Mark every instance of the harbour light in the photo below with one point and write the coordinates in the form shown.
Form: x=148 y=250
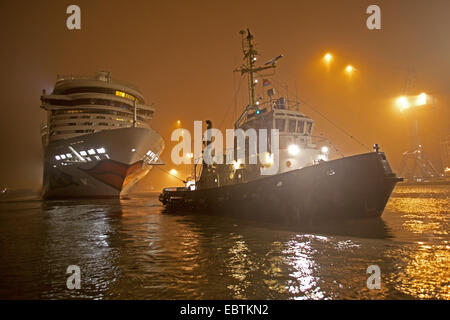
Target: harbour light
x=269 y=159
x=403 y=103
x=422 y=99
x=293 y=149
x=349 y=69
x=236 y=164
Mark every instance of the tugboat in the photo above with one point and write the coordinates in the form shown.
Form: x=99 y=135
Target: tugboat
x=306 y=185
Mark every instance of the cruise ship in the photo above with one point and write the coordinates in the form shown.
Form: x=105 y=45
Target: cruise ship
x=97 y=140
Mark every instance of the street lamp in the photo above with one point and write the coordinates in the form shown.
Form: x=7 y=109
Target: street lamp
x=415 y=159
x=328 y=57
x=422 y=99
x=403 y=103
x=349 y=69
x=406 y=102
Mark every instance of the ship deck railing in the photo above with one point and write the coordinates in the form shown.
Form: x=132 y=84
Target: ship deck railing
x=106 y=78
x=278 y=104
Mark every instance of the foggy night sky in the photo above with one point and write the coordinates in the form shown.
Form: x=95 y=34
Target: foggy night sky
x=181 y=55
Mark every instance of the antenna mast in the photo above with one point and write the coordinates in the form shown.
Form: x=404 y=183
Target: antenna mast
x=249 y=67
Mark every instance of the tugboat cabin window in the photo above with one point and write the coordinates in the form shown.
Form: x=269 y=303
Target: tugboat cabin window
x=280 y=124
x=309 y=127
x=292 y=125
x=301 y=127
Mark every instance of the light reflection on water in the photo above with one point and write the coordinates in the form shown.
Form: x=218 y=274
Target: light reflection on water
x=424 y=270
x=130 y=249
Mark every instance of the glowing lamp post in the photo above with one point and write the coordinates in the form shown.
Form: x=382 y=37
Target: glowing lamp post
x=406 y=102
x=349 y=69
x=416 y=158
x=327 y=58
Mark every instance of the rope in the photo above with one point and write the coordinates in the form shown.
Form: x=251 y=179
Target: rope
x=170 y=174
x=158 y=166
x=236 y=92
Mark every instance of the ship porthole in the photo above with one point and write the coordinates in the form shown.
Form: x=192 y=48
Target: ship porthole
x=279 y=184
x=288 y=164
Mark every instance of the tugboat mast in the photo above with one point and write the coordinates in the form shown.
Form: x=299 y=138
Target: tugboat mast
x=249 y=67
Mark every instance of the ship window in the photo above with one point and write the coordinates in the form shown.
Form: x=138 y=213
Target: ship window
x=146 y=113
x=97 y=90
x=101 y=117
x=280 y=124
x=103 y=124
x=309 y=128
x=87 y=124
x=97 y=157
x=125 y=95
x=292 y=124
x=301 y=127
x=94 y=111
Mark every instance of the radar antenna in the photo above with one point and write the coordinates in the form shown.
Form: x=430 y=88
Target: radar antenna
x=249 y=67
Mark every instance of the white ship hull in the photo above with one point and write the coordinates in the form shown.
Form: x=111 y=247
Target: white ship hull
x=123 y=161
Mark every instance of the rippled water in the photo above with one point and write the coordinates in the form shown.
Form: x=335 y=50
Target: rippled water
x=130 y=249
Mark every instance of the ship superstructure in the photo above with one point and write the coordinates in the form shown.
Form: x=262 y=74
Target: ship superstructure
x=268 y=110
x=97 y=140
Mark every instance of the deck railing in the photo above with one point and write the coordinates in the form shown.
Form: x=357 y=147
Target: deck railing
x=103 y=76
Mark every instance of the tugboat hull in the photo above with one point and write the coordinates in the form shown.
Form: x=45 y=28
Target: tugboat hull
x=352 y=187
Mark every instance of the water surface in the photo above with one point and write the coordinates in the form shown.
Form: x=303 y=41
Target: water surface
x=131 y=249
